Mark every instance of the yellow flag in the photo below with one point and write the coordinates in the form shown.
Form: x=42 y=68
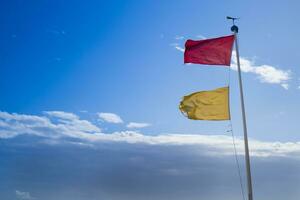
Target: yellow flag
x=207 y=105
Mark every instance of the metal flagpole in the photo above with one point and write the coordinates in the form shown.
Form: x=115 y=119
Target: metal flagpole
x=235 y=29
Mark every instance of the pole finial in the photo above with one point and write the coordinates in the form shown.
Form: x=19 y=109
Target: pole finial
x=234 y=28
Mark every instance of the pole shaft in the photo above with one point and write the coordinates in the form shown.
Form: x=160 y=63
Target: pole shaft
x=247 y=157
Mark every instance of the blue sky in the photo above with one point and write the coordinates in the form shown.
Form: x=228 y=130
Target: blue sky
x=106 y=77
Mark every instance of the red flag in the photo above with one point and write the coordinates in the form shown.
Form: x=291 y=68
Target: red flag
x=215 y=51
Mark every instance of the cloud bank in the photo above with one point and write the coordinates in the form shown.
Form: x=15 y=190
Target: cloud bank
x=137 y=172
x=61 y=126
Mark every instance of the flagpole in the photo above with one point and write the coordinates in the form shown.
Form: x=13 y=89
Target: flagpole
x=234 y=29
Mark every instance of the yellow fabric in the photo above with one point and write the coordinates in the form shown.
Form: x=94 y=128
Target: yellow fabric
x=207 y=105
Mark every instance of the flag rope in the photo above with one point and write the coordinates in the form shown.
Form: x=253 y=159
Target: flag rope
x=237 y=160
x=234 y=144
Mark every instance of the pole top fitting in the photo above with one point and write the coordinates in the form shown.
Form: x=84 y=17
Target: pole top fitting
x=234 y=28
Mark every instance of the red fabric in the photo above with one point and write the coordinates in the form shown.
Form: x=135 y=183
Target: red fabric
x=215 y=51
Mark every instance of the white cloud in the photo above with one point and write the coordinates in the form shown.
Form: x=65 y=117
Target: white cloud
x=64 y=125
x=71 y=122
x=110 y=117
x=179 y=48
x=23 y=195
x=62 y=115
x=214 y=144
x=12 y=125
x=285 y=86
x=265 y=73
x=137 y=125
